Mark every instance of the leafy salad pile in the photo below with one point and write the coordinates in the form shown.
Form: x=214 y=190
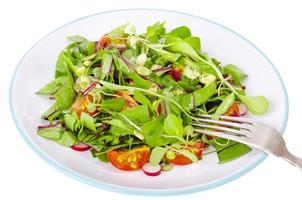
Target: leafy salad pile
x=129 y=98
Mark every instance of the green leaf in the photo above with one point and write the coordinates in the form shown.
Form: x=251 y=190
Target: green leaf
x=115 y=104
x=53 y=133
x=60 y=65
x=70 y=121
x=203 y=94
x=172 y=57
x=120 y=125
x=157 y=155
x=181 y=32
x=184 y=48
x=202 y=67
x=153 y=131
x=236 y=74
x=142 y=99
x=138 y=114
x=52 y=86
x=76 y=39
x=173 y=126
x=189 y=155
x=139 y=81
x=194 y=42
x=88 y=121
x=155 y=31
x=228 y=150
x=53 y=112
x=255 y=104
x=106 y=65
x=67 y=139
x=226 y=104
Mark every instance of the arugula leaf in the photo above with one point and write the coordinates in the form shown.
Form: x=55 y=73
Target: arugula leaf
x=67 y=139
x=183 y=48
x=181 y=32
x=52 y=133
x=139 y=81
x=255 y=104
x=236 y=74
x=119 y=127
x=225 y=105
x=153 y=131
x=88 y=121
x=157 y=155
x=52 y=86
x=173 y=126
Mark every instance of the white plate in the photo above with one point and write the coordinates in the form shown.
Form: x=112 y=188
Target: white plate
x=37 y=67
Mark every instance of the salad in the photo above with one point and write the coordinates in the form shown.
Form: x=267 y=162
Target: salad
x=129 y=99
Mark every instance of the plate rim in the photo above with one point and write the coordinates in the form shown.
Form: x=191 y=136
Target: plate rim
x=131 y=190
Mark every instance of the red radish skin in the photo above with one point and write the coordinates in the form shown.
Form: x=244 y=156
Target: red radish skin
x=80 y=147
x=151 y=170
x=175 y=74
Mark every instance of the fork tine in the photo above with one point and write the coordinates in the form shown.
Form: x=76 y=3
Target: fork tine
x=230 y=130
x=225 y=136
x=225 y=123
x=234 y=119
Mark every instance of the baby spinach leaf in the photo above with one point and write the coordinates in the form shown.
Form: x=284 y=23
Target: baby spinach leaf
x=139 y=97
x=53 y=133
x=88 y=121
x=157 y=155
x=255 y=104
x=225 y=105
x=106 y=65
x=181 y=32
x=138 y=114
x=70 y=121
x=236 y=74
x=67 y=139
x=52 y=86
x=184 y=48
x=194 y=42
x=203 y=94
x=116 y=104
x=173 y=126
x=153 y=131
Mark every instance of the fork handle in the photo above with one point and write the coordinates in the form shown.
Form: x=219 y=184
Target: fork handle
x=294 y=160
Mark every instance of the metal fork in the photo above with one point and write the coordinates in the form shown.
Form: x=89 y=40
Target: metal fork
x=246 y=131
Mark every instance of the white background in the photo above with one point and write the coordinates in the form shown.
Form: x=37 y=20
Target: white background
x=274 y=26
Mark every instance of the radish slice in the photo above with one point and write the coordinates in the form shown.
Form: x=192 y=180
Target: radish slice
x=80 y=147
x=151 y=170
x=242 y=109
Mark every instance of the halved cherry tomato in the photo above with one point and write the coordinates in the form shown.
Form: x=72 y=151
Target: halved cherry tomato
x=103 y=42
x=80 y=105
x=175 y=74
x=182 y=160
x=130 y=102
x=233 y=110
x=129 y=160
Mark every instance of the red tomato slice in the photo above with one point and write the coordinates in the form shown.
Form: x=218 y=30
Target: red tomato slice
x=129 y=160
x=130 y=102
x=233 y=110
x=80 y=105
x=182 y=160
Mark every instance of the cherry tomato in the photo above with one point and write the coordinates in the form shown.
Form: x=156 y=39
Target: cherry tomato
x=129 y=160
x=182 y=160
x=130 y=102
x=103 y=42
x=233 y=110
x=80 y=105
